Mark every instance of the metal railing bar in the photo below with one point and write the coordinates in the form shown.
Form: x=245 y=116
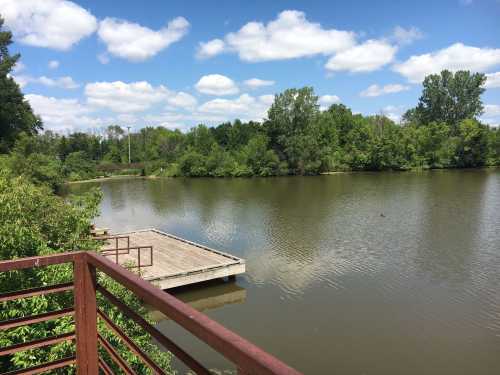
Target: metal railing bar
x=105 y=367
x=17 y=322
x=39 y=261
x=131 y=345
x=37 y=343
x=177 y=351
x=42 y=290
x=44 y=367
x=115 y=356
x=235 y=348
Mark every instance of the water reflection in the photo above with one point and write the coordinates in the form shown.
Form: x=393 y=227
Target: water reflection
x=206 y=296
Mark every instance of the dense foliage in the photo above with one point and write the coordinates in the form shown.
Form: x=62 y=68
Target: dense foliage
x=34 y=221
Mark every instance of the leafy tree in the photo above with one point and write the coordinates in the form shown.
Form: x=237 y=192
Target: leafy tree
x=16 y=115
x=290 y=129
x=78 y=166
x=449 y=97
x=472 y=148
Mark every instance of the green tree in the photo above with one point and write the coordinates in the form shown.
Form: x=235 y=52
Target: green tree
x=16 y=115
x=291 y=131
x=472 y=148
x=449 y=97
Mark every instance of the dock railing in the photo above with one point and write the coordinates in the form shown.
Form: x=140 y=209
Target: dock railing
x=118 y=250
x=247 y=358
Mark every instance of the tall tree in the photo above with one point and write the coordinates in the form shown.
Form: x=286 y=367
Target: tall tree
x=449 y=97
x=16 y=115
x=291 y=129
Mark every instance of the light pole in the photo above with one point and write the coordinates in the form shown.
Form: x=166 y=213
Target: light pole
x=128 y=128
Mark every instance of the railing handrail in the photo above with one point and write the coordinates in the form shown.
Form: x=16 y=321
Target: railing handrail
x=248 y=358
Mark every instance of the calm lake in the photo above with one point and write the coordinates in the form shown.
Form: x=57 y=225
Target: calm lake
x=363 y=273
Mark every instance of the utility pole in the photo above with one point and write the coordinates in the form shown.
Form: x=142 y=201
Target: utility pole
x=128 y=128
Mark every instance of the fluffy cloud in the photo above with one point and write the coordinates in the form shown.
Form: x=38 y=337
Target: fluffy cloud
x=289 y=36
x=455 y=57
x=492 y=80
x=245 y=107
x=53 y=64
x=327 y=100
x=366 y=57
x=61 y=82
x=21 y=80
x=210 y=48
x=124 y=97
x=182 y=100
x=54 y=24
x=404 y=36
x=376 y=90
x=62 y=114
x=134 y=42
x=216 y=84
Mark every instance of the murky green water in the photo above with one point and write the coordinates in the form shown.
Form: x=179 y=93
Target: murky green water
x=366 y=273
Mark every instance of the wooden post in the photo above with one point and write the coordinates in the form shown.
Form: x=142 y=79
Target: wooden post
x=84 y=278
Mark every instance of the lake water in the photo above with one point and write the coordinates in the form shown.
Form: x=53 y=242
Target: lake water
x=363 y=273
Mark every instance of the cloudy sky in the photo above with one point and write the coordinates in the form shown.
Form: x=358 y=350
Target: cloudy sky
x=88 y=64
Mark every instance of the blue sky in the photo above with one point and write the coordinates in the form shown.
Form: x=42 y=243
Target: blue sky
x=88 y=64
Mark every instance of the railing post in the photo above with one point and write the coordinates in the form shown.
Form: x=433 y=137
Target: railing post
x=84 y=278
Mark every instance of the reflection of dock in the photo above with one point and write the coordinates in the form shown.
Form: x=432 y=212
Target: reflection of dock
x=175 y=261
x=212 y=295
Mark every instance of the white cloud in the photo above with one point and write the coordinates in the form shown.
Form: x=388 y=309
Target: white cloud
x=376 y=90
x=245 y=107
x=492 y=80
x=255 y=83
x=455 y=57
x=404 y=36
x=62 y=114
x=210 y=48
x=182 y=100
x=366 y=57
x=289 y=36
x=134 y=42
x=216 y=84
x=53 y=64
x=22 y=80
x=327 y=100
x=62 y=82
x=124 y=97
x=57 y=24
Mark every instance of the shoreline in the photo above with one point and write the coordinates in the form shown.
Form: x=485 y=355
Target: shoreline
x=153 y=177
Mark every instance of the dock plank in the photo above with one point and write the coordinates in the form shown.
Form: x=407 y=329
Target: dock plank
x=176 y=261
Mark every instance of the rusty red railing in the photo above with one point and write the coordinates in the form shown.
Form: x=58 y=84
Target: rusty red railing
x=117 y=250
x=248 y=358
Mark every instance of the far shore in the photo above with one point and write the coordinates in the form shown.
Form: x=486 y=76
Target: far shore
x=152 y=177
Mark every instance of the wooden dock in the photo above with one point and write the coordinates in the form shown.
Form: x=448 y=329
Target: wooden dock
x=175 y=261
